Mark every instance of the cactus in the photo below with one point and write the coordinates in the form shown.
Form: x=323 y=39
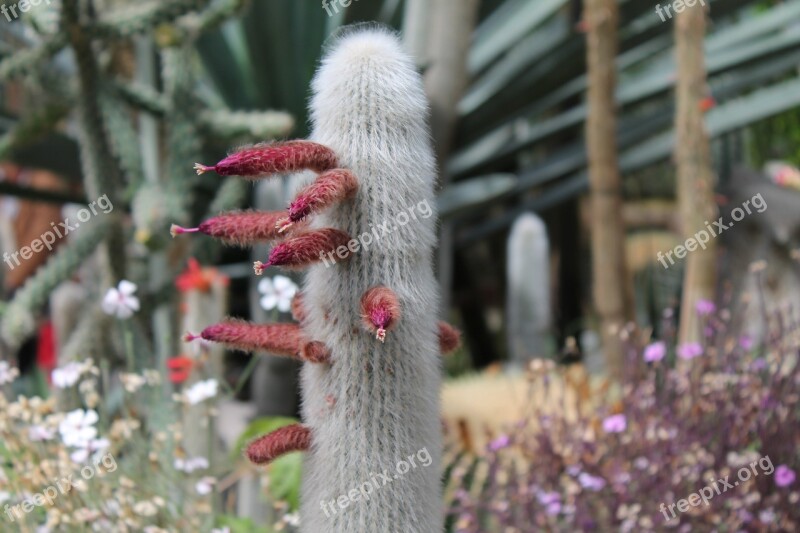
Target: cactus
x=18 y=319
x=528 y=305
x=367 y=334
x=114 y=155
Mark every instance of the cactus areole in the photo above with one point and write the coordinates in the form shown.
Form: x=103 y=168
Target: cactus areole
x=367 y=330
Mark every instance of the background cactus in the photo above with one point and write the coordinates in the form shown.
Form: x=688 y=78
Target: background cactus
x=120 y=116
x=368 y=333
x=528 y=300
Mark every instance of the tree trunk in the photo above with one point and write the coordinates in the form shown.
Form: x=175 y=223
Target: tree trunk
x=611 y=291
x=695 y=178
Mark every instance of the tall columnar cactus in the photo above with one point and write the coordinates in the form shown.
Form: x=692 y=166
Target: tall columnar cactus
x=367 y=331
x=528 y=303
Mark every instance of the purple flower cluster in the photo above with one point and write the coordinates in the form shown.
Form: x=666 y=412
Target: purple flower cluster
x=682 y=417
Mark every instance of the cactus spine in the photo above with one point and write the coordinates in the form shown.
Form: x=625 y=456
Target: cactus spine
x=371 y=382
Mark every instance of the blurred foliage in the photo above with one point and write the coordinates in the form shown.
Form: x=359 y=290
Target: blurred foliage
x=108 y=102
x=776 y=138
x=587 y=457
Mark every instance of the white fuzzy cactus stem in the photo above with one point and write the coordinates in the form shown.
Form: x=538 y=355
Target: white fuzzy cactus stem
x=377 y=403
x=528 y=303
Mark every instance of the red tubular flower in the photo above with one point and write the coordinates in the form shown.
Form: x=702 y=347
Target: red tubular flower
x=292 y=438
x=330 y=187
x=241 y=228
x=290 y=156
x=305 y=249
x=280 y=339
x=449 y=338
x=380 y=311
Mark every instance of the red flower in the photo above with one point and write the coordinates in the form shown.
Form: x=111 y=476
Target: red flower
x=179 y=368
x=196 y=277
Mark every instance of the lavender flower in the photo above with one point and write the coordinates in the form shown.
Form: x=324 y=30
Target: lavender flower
x=503 y=441
x=615 y=424
x=746 y=342
x=690 y=350
x=655 y=352
x=705 y=307
x=784 y=476
x=591 y=482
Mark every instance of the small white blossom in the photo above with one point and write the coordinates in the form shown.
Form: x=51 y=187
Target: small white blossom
x=293 y=519
x=121 y=302
x=191 y=464
x=200 y=391
x=7 y=373
x=132 y=382
x=205 y=485
x=277 y=292
x=152 y=377
x=224 y=529
x=67 y=375
x=94 y=448
x=39 y=433
x=145 y=508
x=77 y=429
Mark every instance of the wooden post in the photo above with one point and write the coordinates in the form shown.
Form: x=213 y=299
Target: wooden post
x=695 y=178
x=610 y=284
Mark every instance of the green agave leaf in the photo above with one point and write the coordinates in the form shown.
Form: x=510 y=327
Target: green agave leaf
x=242 y=525
x=284 y=480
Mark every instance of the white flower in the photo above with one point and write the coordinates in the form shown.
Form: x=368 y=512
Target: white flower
x=205 y=485
x=121 y=301
x=191 y=464
x=7 y=373
x=277 y=292
x=94 y=448
x=67 y=375
x=145 y=508
x=132 y=382
x=4 y=496
x=77 y=429
x=39 y=433
x=225 y=529
x=200 y=391
x=293 y=519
